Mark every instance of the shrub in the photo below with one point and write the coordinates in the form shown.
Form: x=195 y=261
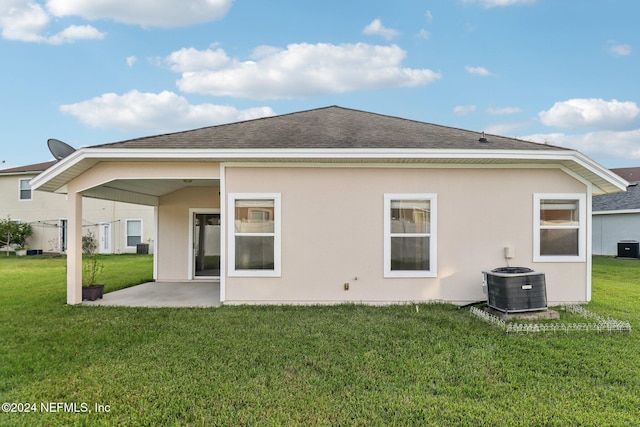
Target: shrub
x=14 y=233
x=91 y=267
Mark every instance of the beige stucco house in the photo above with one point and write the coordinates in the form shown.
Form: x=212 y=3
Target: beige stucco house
x=119 y=227
x=335 y=205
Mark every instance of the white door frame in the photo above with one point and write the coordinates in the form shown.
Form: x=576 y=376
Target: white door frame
x=62 y=234
x=191 y=273
x=104 y=238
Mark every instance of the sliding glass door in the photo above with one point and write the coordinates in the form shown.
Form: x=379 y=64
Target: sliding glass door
x=206 y=244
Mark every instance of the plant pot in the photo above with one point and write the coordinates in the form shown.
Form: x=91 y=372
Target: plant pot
x=92 y=292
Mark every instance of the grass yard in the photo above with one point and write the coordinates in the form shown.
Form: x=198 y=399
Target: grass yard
x=340 y=365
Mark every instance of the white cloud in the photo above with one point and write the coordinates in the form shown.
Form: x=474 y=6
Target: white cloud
x=192 y=60
x=598 y=113
x=131 y=60
x=22 y=20
x=26 y=20
x=264 y=51
x=478 y=71
x=504 y=110
x=618 y=49
x=300 y=70
x=76 y=32
x=146 y=13
x=375 y=28
x=423 y=34
x=463 y=110
x=500 y=3
x=605 y=144
x=155 y=112
x=429 y=17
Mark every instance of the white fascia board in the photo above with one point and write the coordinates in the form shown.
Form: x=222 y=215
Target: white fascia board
x=57 y=168
x=618 y=212
x=601 y=171
x=2 y=174
x=306 y=153
x=138 y=154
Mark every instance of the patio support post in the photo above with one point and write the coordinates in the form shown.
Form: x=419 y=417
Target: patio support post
x=74 y=248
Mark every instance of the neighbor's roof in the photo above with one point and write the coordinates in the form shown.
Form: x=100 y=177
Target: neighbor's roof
x=630 y=174
x=627 y=200
x=329 y=127
x=35 y=168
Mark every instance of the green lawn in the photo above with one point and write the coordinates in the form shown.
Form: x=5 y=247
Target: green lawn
x=341 y=365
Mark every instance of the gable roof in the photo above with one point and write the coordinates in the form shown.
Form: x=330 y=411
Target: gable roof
x=34 y=168
x=330 y=127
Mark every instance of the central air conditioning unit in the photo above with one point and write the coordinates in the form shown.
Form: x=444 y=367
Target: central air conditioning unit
x=515 y=289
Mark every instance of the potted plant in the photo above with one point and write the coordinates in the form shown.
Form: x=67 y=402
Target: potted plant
x=14 y=234
x=91 y=268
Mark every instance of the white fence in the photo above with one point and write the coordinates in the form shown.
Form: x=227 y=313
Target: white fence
x=599 y=323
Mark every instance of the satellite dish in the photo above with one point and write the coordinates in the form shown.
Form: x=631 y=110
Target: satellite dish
x=59 y=149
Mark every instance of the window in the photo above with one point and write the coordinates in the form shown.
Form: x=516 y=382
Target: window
x=25 y=189
x=254 y=247
x=133 y=232
x=409 y=235
x=559 y=227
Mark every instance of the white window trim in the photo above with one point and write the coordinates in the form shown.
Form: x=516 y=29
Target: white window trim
x=433 y=234
x=232 y=271
x=28 y=180
x=126 y=234
x=582 y=227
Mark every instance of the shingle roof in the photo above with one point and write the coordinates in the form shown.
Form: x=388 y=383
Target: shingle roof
x=329 y=127
x=618 y=201
x=621 y=201
x=37 y=167
x=630 y=174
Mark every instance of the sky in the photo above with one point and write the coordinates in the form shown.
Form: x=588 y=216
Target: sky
x=564 y=72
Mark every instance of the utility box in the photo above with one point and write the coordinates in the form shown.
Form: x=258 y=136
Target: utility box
x=515 y=289
x=628 y=249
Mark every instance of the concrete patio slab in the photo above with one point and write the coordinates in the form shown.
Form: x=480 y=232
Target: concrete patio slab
x=164 y=294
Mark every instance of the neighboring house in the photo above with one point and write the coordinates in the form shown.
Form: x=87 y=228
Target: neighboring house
x=118 y=226
x=335 y=205
x=616 y=217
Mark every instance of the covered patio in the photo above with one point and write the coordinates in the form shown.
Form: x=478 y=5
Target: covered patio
x=182 y=193
x=164 y=294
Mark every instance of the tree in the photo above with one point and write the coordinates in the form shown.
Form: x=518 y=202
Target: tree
x=14 y=233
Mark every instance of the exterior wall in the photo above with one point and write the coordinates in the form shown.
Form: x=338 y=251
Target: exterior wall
x=609 y=229
x=332 y=232
x=45 y=210
x=174 y=254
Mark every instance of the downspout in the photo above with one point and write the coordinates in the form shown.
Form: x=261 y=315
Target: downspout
x=589 y=237
x=223 y=233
